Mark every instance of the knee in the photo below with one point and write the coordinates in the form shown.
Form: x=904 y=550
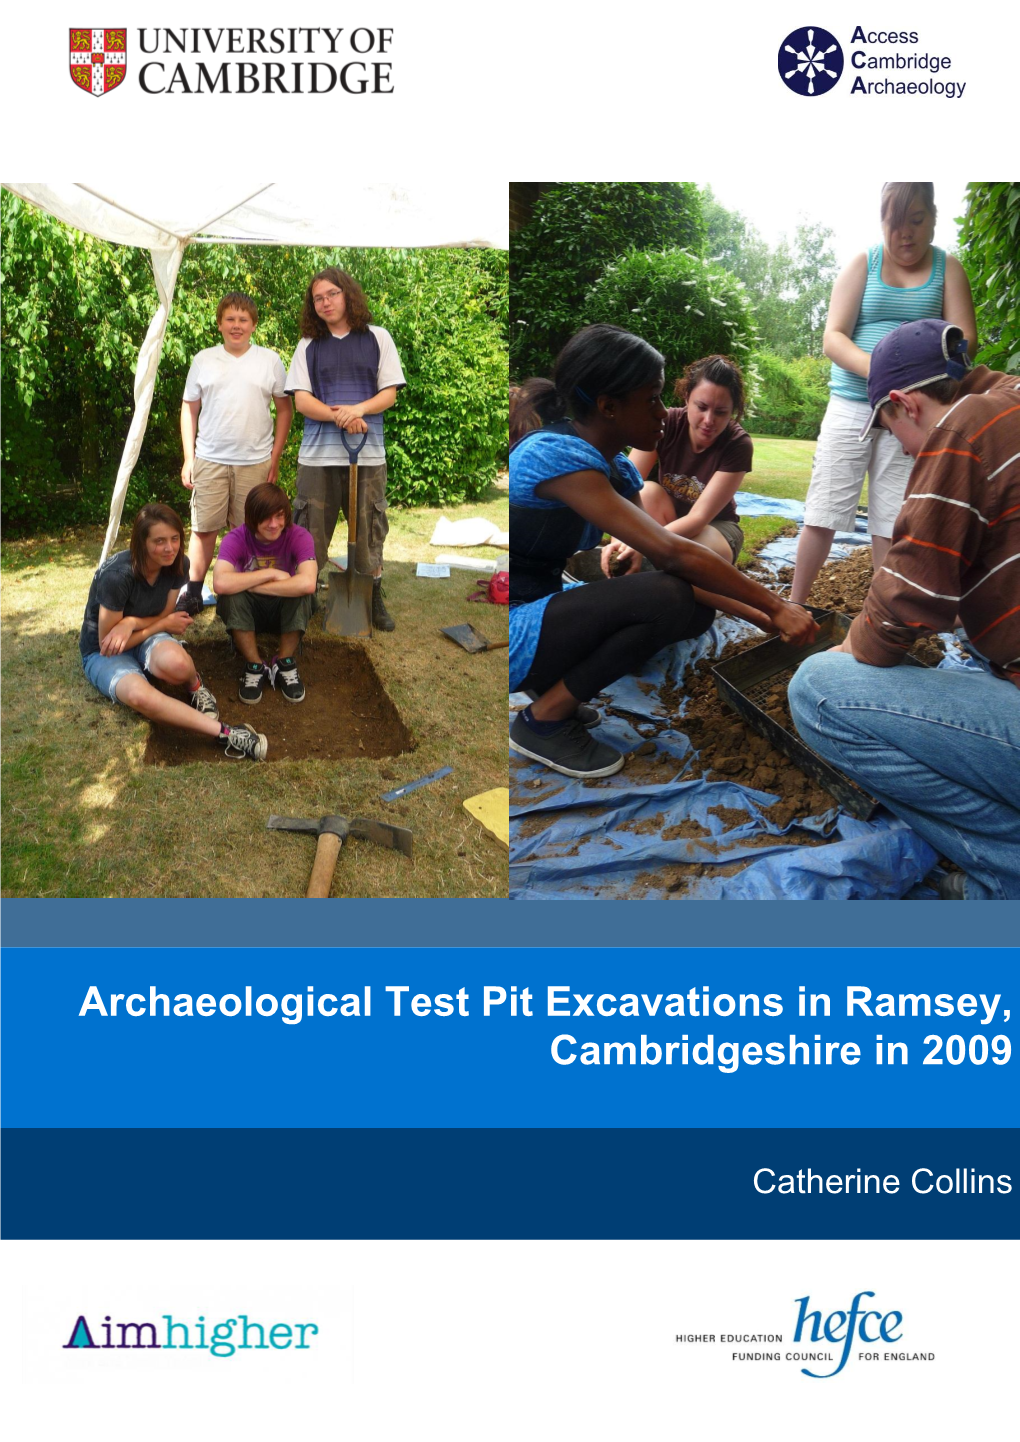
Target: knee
x=817 y=680
x=135 y=693
x=171 y=663
x=673 y=604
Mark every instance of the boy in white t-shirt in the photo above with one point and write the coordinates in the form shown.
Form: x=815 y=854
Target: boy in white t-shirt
x=226 y=400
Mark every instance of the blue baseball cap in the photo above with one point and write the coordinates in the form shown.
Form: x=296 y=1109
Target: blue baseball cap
x=911 y=356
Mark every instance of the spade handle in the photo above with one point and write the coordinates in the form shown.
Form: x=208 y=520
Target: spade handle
x=327 y=850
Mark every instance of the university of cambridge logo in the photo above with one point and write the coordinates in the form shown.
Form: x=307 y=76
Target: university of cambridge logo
x=98 y=59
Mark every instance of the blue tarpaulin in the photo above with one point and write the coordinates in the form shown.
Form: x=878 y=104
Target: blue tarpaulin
x=618 y=836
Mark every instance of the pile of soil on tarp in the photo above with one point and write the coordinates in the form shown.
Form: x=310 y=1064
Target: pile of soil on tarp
x=730 y=750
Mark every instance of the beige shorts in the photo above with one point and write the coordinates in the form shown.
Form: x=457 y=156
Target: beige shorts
x=219 y=493
x=841 y=461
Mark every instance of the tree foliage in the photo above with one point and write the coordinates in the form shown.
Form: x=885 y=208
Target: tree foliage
x=574 y=232
x=990 y=254
x=76 y=310
x=685 y=306
x=790 y=397
x=789 y=284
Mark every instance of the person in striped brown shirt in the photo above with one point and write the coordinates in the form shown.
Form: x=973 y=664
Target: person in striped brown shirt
x=941 y=748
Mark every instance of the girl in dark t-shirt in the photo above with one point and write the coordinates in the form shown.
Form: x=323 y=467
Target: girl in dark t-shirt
x=703 y=457
x=135 y=618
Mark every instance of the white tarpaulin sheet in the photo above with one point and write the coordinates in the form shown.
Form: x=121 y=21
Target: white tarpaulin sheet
x=155 y=214
x=164 y=217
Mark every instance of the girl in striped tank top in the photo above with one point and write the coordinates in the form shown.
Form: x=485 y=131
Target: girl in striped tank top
x=906 y=278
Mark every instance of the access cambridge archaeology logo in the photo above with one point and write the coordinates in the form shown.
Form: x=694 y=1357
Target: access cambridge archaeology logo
x=217 y=1339
x=98 y=59
x=821 y=1341
x=884 y=62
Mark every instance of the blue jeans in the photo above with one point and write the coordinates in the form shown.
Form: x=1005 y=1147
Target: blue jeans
x=941 y=749
x=106 y=672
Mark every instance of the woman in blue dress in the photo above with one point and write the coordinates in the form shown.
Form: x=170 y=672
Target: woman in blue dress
x=568 y=479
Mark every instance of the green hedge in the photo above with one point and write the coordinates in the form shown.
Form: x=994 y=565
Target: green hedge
x=574 y=231
x=790 y=397
x=685 y=306
x=76 y=310
x=990 y=254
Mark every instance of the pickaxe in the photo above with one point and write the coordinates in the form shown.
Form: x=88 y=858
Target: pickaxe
x=332 y=832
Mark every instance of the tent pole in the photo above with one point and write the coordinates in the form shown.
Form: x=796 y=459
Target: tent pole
x=165 y=266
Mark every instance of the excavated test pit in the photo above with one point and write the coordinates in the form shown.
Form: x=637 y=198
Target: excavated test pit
x=346 y=713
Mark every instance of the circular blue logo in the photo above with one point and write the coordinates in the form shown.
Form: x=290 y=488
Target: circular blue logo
x=810 y=60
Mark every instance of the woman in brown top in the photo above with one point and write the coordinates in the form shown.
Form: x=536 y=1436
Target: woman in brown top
x=703 y=458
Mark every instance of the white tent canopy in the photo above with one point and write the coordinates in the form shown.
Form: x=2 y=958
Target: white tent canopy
x=164 y=217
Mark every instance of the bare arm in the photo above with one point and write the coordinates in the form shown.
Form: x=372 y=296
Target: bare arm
x=645 y=461
x=306 y=404
x=227 y=581
x=591 y=496
x=189 y=430
x=844 y=308
x=381 y=401
x=958 y=303
x=119 y=633
x=302 y=583
x=284 y=416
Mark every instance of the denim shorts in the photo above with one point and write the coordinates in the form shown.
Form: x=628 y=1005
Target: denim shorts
x=106 y=672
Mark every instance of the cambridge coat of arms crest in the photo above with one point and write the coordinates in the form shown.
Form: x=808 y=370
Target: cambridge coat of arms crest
x=98 y=59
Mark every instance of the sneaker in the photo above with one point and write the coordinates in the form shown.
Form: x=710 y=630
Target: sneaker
x=572 y=750
x=204 y=702
x=253 y=683
x=587 y=715
x=381 y=618
x=283 y=677
x=245 y=741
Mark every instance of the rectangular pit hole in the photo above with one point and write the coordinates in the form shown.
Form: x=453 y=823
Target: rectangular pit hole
x=346 y=713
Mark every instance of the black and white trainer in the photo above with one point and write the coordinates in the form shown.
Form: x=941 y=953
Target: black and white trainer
x=204 y=702
x=283 y=677
x=572 y=750
x=253 y=683
x=244 y=741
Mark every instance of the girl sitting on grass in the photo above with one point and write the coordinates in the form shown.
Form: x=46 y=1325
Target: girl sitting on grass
x=132 y=633
x=566 y=646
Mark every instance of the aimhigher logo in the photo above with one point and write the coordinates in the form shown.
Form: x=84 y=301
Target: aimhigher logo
x=221 y=1339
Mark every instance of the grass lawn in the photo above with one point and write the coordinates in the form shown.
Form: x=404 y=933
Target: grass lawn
x=84 y=816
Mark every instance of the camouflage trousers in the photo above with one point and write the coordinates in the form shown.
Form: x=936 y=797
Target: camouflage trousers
x=322 y=496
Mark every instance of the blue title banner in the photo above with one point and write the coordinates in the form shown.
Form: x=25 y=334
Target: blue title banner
x=388 y=1038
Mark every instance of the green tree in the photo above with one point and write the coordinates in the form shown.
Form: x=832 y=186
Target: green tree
x=990 y=254
x=685 y=306
x=789 y=284
x=575 y=230
x=76 y=310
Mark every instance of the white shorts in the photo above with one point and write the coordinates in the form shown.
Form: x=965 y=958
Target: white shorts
x=841 y=461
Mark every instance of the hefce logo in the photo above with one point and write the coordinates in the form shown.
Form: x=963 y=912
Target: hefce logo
x=218 y=1341
x=845 y=1327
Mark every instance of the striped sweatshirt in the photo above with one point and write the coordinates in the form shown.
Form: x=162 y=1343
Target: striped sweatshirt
x=956 y=542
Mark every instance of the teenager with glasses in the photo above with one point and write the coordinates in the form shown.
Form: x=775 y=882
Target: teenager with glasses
x=344 y=375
